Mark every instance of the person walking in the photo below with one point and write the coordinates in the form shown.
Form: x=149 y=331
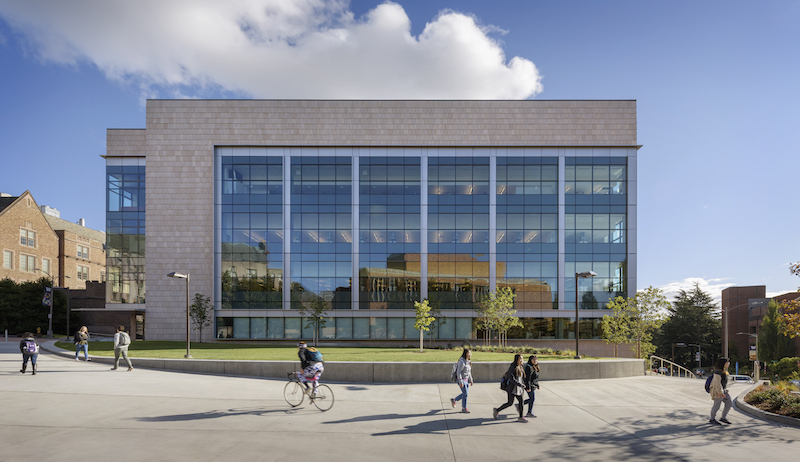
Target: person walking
x=719 y=391
x=464 y=379
x=30 y=350
x=121 y=342
x=515 y=376
x=82 y=343
x=531 y=382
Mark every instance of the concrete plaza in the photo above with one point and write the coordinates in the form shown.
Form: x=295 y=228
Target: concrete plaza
x=84 y=410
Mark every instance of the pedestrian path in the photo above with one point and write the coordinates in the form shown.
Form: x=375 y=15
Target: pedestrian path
x=74 y=409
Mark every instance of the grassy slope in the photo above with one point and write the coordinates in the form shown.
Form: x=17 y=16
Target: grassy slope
x=229 y=351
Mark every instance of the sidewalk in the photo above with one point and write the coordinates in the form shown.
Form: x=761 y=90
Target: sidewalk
x=76 y=409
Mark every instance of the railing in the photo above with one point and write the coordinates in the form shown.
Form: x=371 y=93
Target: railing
x=673 y=370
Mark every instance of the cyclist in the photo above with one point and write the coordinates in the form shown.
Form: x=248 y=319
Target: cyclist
x=311 y=362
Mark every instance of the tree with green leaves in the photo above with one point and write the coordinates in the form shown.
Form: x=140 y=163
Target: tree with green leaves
x=643 y=314
x=790 y=309
x=693 y=318
x=313 y=309
x=496 y=312
x=616 y=328
x=773 y=344
x=201 y=313
x=423 y=319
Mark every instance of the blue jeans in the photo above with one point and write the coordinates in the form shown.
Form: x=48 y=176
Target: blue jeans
x=531 y=399
x=464 y=394
x=25 y=357
x=85 y=348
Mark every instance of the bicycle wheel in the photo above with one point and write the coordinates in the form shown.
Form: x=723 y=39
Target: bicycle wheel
x=323 y=398
x=293 y=393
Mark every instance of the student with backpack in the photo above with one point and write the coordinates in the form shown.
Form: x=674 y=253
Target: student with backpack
x=462 y=375
x=718 y=389
x=121 y=343
x=311 y=363
x=30 y=350
x=515 y=385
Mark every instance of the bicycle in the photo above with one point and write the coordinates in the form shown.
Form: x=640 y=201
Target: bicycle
x=295 y=391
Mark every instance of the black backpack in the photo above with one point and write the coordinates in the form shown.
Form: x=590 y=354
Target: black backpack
x=708 y=383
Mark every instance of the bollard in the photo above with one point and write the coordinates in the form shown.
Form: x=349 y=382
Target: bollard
x=6 y=335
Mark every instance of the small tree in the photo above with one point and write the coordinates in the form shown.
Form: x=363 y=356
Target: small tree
x=496 y=312
x=201 y=313
x=772 y=343
x=643 y=314
x=791 y=310
x=423 y=319
x=616 y=329
x=314 y=311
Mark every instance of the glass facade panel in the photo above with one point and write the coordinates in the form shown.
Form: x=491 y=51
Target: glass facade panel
x=458 y=231
x=527 y=230
x=125 y=234
x=595 y=230
x=251 y=233
x=321 y=233
x=389 y=232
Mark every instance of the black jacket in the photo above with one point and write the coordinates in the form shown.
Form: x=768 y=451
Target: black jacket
x=531 y=377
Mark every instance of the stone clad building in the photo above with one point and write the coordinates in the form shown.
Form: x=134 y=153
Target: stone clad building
x=368 y=206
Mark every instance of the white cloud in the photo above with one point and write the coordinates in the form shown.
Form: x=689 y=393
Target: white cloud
x=275 y=48
x=713 y=287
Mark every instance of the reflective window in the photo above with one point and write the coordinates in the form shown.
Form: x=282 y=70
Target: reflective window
x=389 y=232
x=125 y=234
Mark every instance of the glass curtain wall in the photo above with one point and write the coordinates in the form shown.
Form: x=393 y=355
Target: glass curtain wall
x=321 y=233
x=595 y=233
x=125 y=234
x=527 y=230
x=458 y=231
x=389 y=232
x=252 y=236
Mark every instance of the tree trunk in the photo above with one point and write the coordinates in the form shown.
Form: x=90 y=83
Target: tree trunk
x=420 y=341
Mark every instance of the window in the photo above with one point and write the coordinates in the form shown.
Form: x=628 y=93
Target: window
x=27 y=238
x=8 y=259
x=83 y=272
x=83 y=252
x=46 y=266
x=27 y=263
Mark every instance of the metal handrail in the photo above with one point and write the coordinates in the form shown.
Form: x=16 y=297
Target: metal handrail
x=673 y=368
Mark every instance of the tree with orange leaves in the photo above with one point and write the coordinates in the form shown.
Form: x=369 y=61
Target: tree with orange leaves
x=791 y=309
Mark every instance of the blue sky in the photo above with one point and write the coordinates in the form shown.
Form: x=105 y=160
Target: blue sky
x=715 y=84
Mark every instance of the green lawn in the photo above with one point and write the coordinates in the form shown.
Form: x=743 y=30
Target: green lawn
x=176 y=350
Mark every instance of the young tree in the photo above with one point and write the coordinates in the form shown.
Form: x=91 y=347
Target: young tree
x=201 y=313
x=615 y=327
x=693 y=318
x=643 y=314
x=314 y=310
x=772 y=343
x=791 y=310
x=496 y=312
x=423 y=319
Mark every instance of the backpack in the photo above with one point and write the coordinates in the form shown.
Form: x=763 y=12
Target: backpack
x=708 y=383
x=124 y=339
x=504 y=383
x=31 y=347
x=454 y=373
x=313 y=355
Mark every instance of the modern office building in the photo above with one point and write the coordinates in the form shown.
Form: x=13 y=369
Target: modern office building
x=368 y=206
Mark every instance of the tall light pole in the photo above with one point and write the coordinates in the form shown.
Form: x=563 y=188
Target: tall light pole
x=725 y=327
x=578 y=277
x=756 y=365
x=185 y=276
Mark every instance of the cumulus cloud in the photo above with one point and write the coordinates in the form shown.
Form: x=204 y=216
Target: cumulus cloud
x=275 y=48
x=713 y=287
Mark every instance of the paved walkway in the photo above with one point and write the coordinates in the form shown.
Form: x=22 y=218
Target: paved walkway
x=76 y=410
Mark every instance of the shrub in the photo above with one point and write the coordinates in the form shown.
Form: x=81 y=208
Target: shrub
x=785 y=367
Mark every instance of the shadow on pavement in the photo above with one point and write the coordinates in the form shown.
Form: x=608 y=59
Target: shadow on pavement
x=213 y=415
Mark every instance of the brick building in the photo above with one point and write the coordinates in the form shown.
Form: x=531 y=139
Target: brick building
x=743 y=310
x=29 y=244
x=82 y=254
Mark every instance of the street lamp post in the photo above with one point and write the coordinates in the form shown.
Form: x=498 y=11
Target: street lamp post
x=185 y=276
x=578 y=277
x=756 y=365
x=725 y=312
x=699 y=357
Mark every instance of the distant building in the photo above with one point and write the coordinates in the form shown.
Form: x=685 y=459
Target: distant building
x=81 y=252
x=744 y=309
x=29 y=244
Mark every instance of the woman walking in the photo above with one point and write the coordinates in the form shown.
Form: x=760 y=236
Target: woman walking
x=30 y=350
x=464 y=379
x=531 y=382
x=719 y=391
x=515 y=376
x=82 y=343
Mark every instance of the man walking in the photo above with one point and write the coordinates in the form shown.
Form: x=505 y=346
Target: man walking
x=121 y=342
